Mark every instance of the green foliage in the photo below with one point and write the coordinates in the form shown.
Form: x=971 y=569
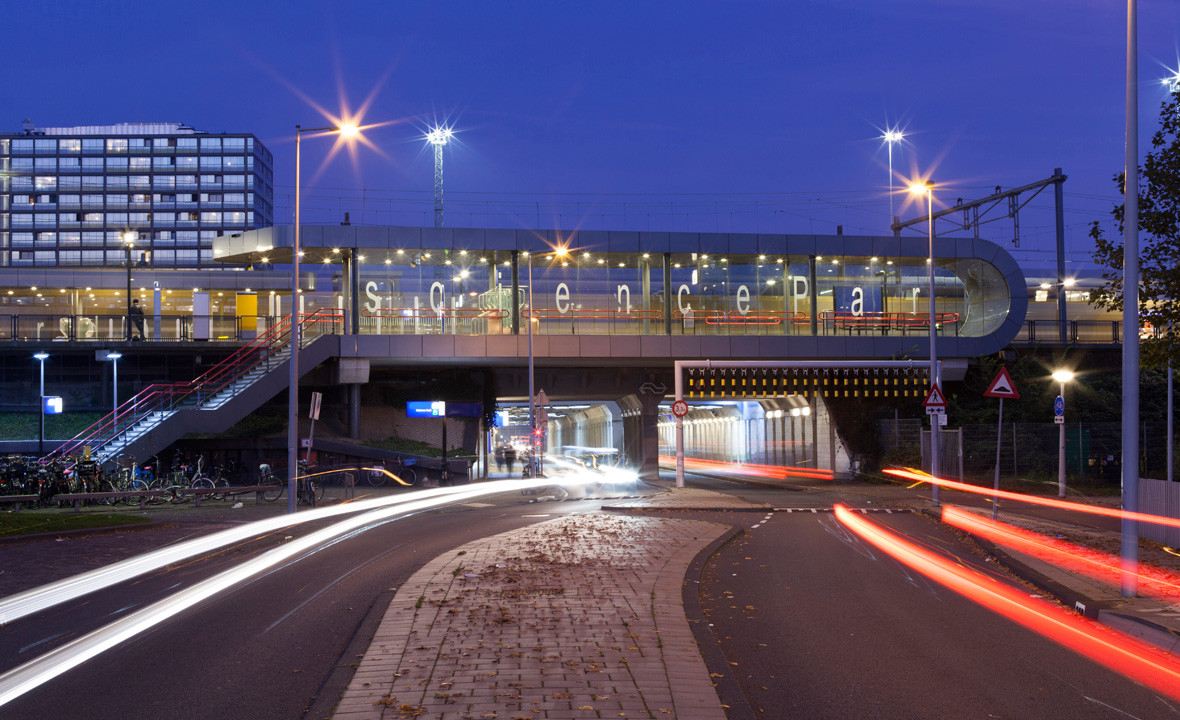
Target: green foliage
x=27 y=426
x=254 y=425
x=1159 y=252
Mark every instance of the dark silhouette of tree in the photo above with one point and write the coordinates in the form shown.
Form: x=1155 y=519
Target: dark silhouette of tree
x=1159 y=242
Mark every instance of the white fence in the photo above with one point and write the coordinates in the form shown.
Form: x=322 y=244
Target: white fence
x=1159 y=497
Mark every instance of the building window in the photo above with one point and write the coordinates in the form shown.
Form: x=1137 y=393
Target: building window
x=119 y=164
x=143 y=163
x=210 y=144
x=68 y=164
x=93 y=146
x=117 y=182
x=46 y=164
x=46 y=182
x=70 y=145
x=22 y=147
x=116 y=145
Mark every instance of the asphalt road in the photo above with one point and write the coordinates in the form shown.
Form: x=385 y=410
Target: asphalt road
x=815 y=624
x=280 y=646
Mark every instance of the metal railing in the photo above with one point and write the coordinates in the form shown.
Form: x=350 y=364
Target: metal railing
x=161 y=398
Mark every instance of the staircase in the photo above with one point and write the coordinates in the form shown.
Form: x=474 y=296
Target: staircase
x=162 y=413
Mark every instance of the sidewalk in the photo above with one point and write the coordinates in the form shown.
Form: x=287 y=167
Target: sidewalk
x=579 y=617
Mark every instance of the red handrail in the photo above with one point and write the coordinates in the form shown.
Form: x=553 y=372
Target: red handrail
x=160 y=397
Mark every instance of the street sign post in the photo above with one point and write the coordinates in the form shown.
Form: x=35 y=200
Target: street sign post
x=1001 y=387
x=679 y=408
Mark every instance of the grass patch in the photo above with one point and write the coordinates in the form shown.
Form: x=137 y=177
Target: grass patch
x=32 y=521
x=27 y=426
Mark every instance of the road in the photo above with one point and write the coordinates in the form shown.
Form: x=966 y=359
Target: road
x=279 y=646
x=805 y=622
x=813 y=623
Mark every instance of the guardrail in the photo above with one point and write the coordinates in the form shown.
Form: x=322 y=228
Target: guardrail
x=165 y=397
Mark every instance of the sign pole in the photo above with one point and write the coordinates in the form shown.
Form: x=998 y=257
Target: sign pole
x=999 y=434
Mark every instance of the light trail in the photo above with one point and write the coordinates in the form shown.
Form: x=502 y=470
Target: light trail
x=46 y=596
x=1034 y=500
x=775 y=472
x=1125 y=655
x=40 y=670
x=1092 y=563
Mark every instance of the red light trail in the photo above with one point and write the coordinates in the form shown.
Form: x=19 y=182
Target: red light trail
x=1127 y=656
x=1092 y=563
x=1034 y=500
x=776 y=472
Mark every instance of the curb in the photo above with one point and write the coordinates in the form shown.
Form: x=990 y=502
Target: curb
x=1156 y=635
x=729 y=690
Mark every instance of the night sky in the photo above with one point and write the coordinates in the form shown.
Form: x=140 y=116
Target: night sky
x=699 y=116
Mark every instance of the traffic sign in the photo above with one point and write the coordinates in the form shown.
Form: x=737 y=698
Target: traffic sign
x=1002 y=386
x=1059 y=419
x=934 y=398
x=1059 y=406
x=935 y=410
x=679 y=408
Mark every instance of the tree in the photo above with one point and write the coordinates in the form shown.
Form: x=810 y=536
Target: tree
x=1159 y=224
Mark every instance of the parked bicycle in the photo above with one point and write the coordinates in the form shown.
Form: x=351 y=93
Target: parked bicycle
x=401 y=469
x=308 y=489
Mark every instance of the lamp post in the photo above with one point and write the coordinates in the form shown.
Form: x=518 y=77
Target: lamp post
x=1062 y=377
x=114 y=358
x=535 y=439
x=890 y=137
x=346 y=131
x=927 y=189
x=41 y=403
x=129 y=239
x=438 y=137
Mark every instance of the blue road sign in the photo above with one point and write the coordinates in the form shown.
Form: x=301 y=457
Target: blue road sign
x=1059 y=406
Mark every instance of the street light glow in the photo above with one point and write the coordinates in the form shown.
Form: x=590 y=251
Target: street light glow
x=1063 y=376
x=921 y=187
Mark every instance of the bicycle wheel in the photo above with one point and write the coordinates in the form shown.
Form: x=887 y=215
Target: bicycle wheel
x=317 y=491
x=276 y=493
x=407 y=475
x=376 y=479
x=204 y=483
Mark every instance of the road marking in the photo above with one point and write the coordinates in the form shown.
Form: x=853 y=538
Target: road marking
x=545 y=515
x=477 y=505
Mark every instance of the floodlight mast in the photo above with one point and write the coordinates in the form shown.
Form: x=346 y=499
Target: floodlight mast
x=438 y=137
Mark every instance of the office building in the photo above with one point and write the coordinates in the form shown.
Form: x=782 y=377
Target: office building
x=69 y=195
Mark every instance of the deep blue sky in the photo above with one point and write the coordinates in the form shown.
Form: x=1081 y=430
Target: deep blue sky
x=743 y=116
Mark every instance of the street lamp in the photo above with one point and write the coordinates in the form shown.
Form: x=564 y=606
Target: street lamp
x=535 y=439
x=890 y=137
x=344 y=131
x=1062 y=377
x=927 y=189
x=114 y=358
x=41 y=403
x=438 y=137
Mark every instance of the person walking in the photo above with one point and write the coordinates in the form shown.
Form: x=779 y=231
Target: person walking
x=136 y=318
x=510 y=458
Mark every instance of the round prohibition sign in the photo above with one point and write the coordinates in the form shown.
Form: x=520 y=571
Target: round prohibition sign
x=679 y=408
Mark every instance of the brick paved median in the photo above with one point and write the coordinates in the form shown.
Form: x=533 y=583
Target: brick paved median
x=579 y=617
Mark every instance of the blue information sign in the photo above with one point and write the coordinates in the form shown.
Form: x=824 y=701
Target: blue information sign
x=436 y=408
x=1059 y=406
x=51 y=404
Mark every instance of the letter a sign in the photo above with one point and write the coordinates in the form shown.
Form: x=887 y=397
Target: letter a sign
x=1002 y=386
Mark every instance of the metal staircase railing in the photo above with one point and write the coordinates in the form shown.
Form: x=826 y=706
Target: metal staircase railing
x=155 y=403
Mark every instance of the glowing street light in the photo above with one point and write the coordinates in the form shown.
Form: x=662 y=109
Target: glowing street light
x=42 y=356
x=890 y=137
x=438 y=137
x=345 y=131
x=927 y=189
x=1062 y=377
x=114 y=358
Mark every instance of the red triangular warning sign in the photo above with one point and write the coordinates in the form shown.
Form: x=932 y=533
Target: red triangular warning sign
x=1002 y=386
x=934 y=398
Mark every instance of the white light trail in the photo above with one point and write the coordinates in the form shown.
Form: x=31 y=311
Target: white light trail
x=46 y=596
x=40 y=670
